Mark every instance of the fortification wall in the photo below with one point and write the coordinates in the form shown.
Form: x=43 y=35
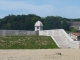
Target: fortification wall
x=16 y=32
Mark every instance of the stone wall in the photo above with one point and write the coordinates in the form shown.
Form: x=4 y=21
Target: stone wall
x=16 y=32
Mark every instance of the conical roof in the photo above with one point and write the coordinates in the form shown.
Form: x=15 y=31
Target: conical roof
x=38 y=23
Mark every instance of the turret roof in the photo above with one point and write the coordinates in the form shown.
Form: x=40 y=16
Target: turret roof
x=38 y=23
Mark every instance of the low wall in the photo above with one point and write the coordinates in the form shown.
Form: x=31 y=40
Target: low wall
x=16 y=32
x=55 y=32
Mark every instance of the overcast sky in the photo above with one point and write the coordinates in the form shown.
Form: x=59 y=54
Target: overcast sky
x=43 y=8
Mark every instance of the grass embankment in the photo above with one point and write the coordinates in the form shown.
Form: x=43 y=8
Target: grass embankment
x=27 y=42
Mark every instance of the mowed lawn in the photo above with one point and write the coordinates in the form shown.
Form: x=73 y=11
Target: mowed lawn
x=27 y=42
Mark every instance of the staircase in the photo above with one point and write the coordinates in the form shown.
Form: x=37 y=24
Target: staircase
x=61 y=42
x=61 y=38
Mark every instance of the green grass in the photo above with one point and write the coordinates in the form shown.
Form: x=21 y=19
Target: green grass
x=27 y=42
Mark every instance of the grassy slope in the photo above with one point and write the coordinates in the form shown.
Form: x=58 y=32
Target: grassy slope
x=27 y=42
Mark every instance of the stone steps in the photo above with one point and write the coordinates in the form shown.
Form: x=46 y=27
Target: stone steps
x=61 y=38
x=61 y=41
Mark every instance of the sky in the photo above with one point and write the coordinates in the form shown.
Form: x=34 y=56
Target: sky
x=42 y=8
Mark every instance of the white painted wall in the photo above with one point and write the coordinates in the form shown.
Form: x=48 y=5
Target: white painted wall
x=38 y=29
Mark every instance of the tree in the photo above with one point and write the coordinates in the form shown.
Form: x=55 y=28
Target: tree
x=26 y=22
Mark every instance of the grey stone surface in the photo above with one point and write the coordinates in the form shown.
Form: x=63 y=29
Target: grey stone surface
x=16 y=32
